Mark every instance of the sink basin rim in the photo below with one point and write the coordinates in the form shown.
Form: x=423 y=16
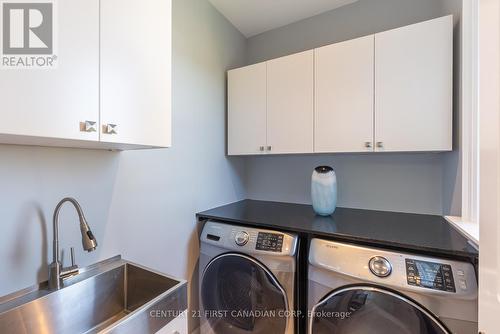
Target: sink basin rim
x=95 y=268
x=39 y=292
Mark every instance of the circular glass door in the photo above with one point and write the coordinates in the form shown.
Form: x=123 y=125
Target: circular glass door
x=240 y=295
x=364 y=309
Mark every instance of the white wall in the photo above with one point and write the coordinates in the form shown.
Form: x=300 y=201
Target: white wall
x=140 y=204
x=422 y=183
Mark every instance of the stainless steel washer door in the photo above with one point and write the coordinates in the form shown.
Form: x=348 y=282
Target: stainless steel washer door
x=366 y=309
x=240 y=295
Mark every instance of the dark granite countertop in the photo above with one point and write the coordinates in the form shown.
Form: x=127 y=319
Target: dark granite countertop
x=426 y=234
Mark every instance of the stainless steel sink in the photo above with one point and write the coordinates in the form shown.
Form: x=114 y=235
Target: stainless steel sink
x=113 y=296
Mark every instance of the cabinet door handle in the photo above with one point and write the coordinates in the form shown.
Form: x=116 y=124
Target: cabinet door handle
x=88 y=126
x=380 y=144
x=109 y=129
x=368 y=144
x=269 y=148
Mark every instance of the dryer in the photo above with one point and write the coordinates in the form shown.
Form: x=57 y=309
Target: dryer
x=247 y=280
x=358 y=290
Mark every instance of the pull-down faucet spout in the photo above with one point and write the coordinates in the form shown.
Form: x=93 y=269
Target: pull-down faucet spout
x=89 y=242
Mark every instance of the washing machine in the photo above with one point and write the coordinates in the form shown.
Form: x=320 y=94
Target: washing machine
x=360 y=290
x=247 y=280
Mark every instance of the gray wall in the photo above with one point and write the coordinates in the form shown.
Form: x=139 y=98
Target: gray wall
x=32 y=181
x=422 y=183
x=157 y=193
x=408 y=183
x=140 y=204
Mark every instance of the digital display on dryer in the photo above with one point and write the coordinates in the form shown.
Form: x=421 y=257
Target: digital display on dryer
x=272 y=242
x=430 y=275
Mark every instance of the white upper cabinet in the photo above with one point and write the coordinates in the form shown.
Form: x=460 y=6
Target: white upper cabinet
x=110 y=86
x=51 y=102
x=414 y=87
x=290 y=83
x=344 y=96
x=392 y=91
x=270 y=106
x=136 y=72
x=247 y=110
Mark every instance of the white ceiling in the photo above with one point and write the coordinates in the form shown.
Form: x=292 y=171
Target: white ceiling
x=253 y=17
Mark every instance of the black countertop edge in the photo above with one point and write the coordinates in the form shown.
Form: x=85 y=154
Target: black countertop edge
x=424 y=234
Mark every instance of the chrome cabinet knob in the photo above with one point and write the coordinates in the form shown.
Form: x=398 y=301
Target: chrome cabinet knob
x=380 y=266
x=269 y=148
x=261 y=148
x=88 y=126
x=368 y=144
x=109 y=129
x=380 y=144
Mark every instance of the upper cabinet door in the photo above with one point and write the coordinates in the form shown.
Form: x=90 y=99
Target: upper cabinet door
x=247 y=110
x=413 y=87
x=290 y=86
x=344 y=96
x=54 y=102
x=136 y=72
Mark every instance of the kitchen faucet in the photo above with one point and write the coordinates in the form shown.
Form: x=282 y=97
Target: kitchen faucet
x=56 y=271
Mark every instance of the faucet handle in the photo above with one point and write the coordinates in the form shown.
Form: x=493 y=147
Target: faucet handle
x=72 y=249
x=70 y=271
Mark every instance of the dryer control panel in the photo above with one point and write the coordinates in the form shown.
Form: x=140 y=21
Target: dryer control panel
x=393 y=269
x=430 y=275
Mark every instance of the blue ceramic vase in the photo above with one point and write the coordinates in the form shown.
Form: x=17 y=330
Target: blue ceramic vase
x=324 y=190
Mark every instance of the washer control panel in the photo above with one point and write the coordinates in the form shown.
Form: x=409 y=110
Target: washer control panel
x=241 y=238
x=431 y=275
x=249 y=239
x=269 y=242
